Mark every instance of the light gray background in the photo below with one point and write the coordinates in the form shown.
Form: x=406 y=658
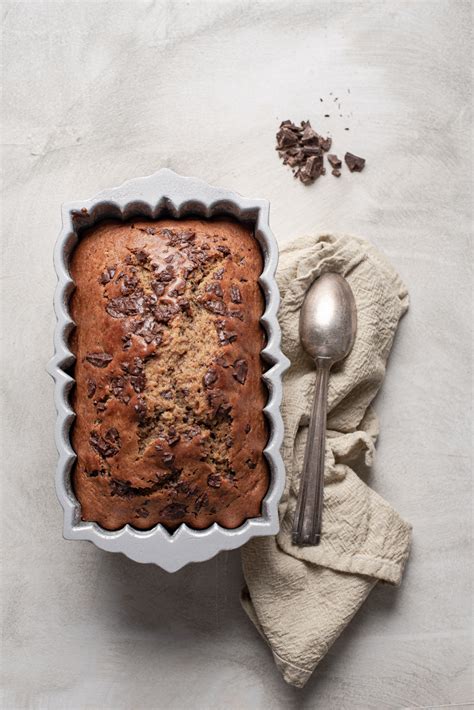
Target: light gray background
x=98 y=92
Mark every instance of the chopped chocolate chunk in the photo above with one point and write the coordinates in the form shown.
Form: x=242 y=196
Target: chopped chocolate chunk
x=91 y=387
x=309 y=135
x=129 y=284
x=141 y=256
x=311 y=170
x=235 y=295
x=223 y=250
x=192 y=432
x=141 y=409
x=220 y=407
x=214 y=306
x=285 y=137
x=336 y=172
x=218 y=274
x=214 y=480
x=150 y=230
x=229 y=442
x=325 y=143
x=240 y=371
x=306 y=151
x=236 y=314
x=251 y=464
x=134 y=368
x=117 y=385
x=126 y=306
x=174 y=511
x=126 y=341
x=121 y=488
x=167 y=394
x=164 y=312
x=149 y=330
x=142 y=513
x=138 y=382
x=225 y=336
x=99 y=359
x=107 y=276
x=201 y=501
x=158 y=287
x=216 y=289
x=354 y=162
x=334 y=160
x=107 y=445
x=178 y=287
x=209 y=378
x=173 y=439
x=185 y=306
x=168 y=459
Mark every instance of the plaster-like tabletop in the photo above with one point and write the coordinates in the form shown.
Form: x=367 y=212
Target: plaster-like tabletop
x=98 y=92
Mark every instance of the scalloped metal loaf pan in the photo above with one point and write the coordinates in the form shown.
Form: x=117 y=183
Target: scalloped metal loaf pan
x=165 y=193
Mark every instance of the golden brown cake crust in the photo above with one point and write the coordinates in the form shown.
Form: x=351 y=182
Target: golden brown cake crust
x=169 y=397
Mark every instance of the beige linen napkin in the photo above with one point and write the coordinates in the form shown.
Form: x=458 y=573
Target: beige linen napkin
x=301 y=599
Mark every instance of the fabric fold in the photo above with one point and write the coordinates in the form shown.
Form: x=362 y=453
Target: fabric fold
x=300 y=599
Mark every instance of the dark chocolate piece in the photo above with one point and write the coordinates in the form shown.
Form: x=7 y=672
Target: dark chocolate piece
x=99 y=359
x=334 y=160
x=354 y=162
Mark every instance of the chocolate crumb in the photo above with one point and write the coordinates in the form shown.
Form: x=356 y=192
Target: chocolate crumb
x=336 y=172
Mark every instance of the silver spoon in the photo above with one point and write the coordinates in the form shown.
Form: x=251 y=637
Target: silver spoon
x=328 y=323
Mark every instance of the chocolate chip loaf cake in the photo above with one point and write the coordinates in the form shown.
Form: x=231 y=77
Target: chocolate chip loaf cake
x=169 y=424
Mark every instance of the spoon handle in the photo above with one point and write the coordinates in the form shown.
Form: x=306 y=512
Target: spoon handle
x=309 y=508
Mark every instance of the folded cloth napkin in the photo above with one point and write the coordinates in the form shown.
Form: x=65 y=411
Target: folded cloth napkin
x=301 y=599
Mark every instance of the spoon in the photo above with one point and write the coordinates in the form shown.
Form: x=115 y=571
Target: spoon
x=328 y=324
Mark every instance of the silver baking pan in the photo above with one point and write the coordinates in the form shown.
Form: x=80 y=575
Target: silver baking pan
x=165 y=193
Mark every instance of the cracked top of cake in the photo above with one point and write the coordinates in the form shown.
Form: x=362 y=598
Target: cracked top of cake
x=169 y=397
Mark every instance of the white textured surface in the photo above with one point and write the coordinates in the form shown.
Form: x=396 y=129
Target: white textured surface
x=97 y=92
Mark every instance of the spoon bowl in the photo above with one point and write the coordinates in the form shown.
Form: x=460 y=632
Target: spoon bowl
x=328 y=318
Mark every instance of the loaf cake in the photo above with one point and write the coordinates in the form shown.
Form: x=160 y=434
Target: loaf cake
x=168 y=390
